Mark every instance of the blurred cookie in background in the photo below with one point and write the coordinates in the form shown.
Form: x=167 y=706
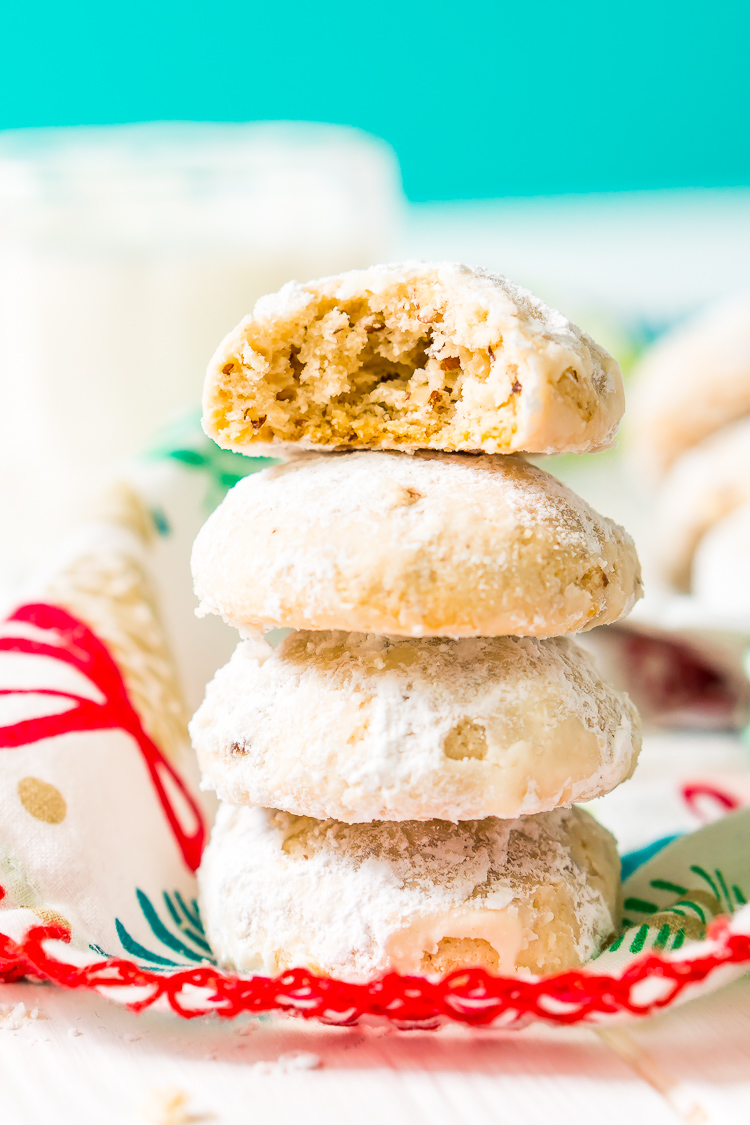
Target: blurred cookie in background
x=690 y=428
x=693 y=381
x=721 y=566
x=703 y=486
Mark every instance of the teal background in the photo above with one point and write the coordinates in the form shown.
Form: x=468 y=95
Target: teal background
x=480 y=100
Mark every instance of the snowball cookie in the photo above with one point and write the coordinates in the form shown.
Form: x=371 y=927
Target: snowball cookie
x=368 y=728
x=430 y=544
x=412 y=356
x=357 y=900
x=721 y=568
x=705 y=484
x=690 y=383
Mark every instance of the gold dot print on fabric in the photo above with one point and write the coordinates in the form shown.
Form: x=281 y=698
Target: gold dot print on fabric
x=51 y=917
x=42 y=800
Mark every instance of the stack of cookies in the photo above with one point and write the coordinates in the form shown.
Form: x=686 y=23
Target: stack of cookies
x=398 y=776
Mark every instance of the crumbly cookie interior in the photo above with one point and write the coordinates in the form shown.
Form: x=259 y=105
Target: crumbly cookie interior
x=398 y=367
x=460 y=953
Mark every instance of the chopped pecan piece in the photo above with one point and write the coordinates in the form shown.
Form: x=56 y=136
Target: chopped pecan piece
x=294 y=362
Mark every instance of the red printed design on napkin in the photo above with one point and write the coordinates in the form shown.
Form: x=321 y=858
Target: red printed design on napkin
x=73 y=643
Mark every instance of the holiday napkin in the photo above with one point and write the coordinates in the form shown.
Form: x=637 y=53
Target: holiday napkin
x=103 y=823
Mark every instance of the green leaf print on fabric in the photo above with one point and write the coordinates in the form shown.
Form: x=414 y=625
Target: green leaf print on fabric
x=185 y=443
x=675 y=896
x=180 y=932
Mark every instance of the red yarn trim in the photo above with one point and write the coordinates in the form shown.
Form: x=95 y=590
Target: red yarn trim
x=470 y=996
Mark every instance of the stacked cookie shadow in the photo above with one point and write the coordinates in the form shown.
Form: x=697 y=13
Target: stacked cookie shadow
x=398 y=775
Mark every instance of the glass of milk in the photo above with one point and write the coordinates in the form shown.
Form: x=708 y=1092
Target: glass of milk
x=126 y=254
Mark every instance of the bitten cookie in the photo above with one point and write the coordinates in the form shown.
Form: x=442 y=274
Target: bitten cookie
x=704 y=485
x=690 y=383
x=354 y=901
x=410 y=356
x=365 y=728
x=423 y=545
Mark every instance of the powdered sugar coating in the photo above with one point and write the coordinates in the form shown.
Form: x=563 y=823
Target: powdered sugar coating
x=524 y=377
x=365 y=728
x=423 y=545
x=354 y=901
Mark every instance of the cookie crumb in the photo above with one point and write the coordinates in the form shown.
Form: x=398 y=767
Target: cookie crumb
x=287 y=1063
x=167 y=1107
x=299 y=1060
x=11 y=1019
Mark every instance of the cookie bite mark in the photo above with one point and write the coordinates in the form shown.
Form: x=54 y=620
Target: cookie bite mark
x=408 y=357
x=359 y=373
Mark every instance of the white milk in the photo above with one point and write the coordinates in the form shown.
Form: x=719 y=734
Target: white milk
x=126 y=254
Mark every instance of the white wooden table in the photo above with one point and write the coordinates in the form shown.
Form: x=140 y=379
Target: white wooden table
x=86 y=1062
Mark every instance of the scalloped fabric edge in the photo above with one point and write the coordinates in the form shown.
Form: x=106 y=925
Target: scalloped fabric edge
x=471 y=997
